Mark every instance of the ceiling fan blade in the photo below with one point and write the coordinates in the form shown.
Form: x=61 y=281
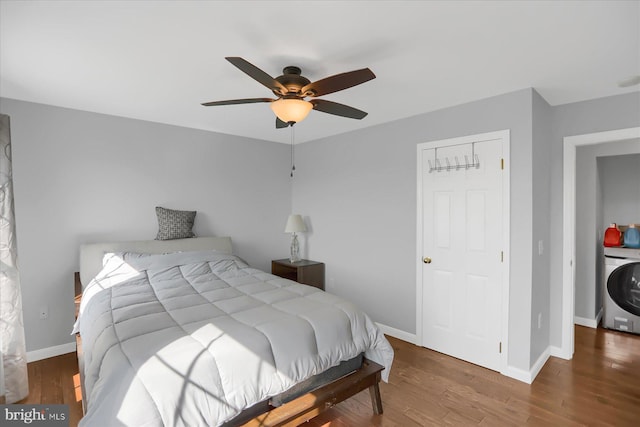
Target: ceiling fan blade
x=257 y=74
x=281 y=124
x=338 y=82
x=237 y=101
x=337 y=109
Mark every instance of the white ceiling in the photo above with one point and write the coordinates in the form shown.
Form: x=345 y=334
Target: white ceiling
x=158 y=60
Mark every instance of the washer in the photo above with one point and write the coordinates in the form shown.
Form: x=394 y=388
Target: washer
x=622 y=289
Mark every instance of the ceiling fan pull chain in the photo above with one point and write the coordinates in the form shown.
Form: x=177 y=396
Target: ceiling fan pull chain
x=293 y=166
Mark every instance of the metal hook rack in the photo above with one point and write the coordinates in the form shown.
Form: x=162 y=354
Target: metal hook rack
x=438 y=167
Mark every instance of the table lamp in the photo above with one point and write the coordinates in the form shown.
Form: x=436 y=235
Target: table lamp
x=295 y=224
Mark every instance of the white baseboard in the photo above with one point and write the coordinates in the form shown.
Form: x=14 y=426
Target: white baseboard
x=45 y=353
x=583 y=321
x=589 y=323
x=517 y=374
x=531 y=374
x=559 y=352
x=397 y=333
x=537 y=367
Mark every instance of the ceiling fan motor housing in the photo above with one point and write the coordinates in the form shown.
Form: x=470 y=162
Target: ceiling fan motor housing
x=293 y=81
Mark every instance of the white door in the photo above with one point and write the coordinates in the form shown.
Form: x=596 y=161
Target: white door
x=462 y=250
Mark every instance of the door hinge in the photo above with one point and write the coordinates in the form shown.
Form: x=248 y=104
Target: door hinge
x=502 y=164
x=501 y=256
x=500 y=347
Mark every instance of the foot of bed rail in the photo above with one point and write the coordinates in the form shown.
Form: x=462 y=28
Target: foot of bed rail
x=309 y=405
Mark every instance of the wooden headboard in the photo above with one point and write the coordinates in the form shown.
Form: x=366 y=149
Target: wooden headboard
x=91 y=254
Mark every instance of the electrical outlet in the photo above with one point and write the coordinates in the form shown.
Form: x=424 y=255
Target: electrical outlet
x=44 y=312
x=540 y=247
x=539 y=320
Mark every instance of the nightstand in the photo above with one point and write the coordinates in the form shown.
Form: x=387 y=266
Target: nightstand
x=304 y=271
x=77 y=287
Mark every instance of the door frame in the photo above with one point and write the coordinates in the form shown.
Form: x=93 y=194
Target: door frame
x=569 y=225
x=504 y=136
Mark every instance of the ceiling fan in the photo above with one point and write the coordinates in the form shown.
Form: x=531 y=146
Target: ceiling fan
x=291 y=89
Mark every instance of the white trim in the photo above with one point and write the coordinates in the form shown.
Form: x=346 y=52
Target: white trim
x=589 y=323
x=583 y=321
x=537 y=367
x=568 y=247
x=557 y=352
x=505 y=136
x=529 y=376
x=599 y=317
x=506 y=242
x=397 y=333
x=568 y=224
x=45 y=353
x=419 y=233
x=517 y=374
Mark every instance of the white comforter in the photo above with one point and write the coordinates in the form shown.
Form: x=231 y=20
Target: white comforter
x=193 y=338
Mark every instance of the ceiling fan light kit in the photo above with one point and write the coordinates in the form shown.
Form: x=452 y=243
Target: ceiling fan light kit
x=291 y=88
x=291 y=110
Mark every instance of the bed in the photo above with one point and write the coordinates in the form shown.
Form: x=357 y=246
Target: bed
x=182 y=332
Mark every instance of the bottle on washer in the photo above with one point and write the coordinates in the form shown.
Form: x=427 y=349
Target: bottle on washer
x=613 y=236
x=632 y=237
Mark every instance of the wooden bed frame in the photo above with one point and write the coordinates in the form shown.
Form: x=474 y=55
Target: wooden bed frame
x=293 y=413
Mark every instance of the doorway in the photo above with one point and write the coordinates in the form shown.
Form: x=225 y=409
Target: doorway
x=568 y=225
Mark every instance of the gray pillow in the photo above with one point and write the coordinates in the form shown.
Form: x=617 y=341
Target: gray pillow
x=174 y=224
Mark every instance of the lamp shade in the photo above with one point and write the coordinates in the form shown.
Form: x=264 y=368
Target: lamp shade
x=295 y=224
x=291 y=110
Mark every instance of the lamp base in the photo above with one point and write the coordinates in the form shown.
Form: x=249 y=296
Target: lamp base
x=295 y=249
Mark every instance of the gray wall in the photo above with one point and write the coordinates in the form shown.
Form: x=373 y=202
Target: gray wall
x=359 y=191
x=620 y=178
x=599 y=115
x=588 y=233
x=542 y=140
x=83 y=177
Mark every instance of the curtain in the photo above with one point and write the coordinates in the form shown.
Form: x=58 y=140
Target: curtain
x=14 y=384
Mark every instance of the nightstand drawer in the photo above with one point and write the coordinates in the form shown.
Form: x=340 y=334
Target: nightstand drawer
x=304 y=271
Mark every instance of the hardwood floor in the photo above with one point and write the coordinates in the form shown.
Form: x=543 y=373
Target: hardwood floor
x=56 y=381
x=600 y=386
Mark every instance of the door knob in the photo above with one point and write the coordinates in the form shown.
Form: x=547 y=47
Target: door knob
x=426 y=260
